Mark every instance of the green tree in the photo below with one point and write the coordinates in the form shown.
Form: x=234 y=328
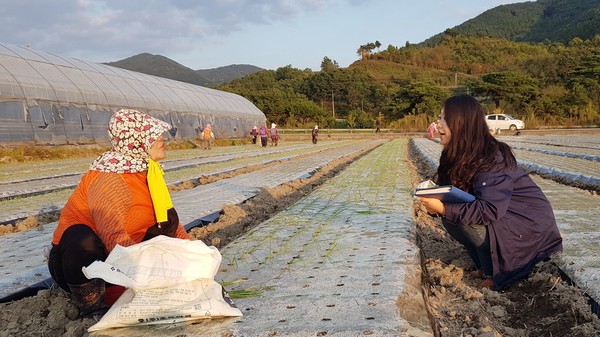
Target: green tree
x=328 y=65
x=421 y=98
x=351 y=121
x=588 y=74
x=365 y=50
x=360 y=119
x=514 y=87
x=306 y=113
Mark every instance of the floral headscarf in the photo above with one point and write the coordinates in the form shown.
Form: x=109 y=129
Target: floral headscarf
x=131 y=133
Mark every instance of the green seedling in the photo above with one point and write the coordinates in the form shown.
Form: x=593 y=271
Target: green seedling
x=249 y=292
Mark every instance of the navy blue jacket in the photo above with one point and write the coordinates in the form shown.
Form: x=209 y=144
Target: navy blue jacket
x=520 y=220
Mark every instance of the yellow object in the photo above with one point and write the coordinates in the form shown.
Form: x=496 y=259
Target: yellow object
x=161 y=199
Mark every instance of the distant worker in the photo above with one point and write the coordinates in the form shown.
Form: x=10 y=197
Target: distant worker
x=254 y=134
x=432 y=130
x=315 y=134
x=207 y=137
x=274 y=134
x=264 y=135
x=378 y=125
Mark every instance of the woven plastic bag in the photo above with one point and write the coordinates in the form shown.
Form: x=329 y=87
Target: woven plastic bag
x=169 y=280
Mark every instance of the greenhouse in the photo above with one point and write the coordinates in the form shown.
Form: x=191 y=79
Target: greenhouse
x=50 y=99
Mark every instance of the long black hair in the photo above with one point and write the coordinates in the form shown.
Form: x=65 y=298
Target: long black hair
x=471 y=149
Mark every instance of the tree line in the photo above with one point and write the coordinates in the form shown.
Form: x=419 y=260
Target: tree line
x=542 y=83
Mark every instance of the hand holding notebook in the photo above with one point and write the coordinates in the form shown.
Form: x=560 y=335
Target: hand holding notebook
x=447 y=193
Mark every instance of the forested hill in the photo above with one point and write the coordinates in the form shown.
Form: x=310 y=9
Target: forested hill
x=496 y=57
x=161 y=66
x=228 y=73
x=535 y=21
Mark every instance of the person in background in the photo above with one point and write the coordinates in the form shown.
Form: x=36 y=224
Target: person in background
x=432 y=129
x=254 y=134
x=274 y=134
x=510 y=226
x=122 y=200
x=264 y=135
x=315 y=134
x=378 y=125
x=207 y=137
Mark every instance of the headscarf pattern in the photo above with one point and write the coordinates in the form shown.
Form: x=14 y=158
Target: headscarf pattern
x=131 y=133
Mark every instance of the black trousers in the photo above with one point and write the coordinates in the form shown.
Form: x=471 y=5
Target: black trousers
x=78 y=247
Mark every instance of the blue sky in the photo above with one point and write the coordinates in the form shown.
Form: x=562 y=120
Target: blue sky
x=202 y=34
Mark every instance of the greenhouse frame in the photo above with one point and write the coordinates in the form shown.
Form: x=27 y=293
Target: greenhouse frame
x=50 y=99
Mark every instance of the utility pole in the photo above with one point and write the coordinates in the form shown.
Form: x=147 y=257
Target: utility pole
x=333 y=104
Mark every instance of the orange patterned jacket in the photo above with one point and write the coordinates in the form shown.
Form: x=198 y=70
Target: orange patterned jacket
x=117 y=207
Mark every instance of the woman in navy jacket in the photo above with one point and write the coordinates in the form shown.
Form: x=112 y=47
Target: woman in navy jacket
x=510 y=226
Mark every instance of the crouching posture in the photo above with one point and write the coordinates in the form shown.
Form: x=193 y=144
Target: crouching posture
x=123 y=199
x=510 y=226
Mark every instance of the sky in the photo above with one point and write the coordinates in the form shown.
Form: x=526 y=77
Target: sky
x=205 y=34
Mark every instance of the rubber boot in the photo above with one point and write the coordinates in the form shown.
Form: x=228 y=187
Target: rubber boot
x=486 y=283
x=476 y=274
x=89 y=297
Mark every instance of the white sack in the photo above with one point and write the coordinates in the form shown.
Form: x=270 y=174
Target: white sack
x=158 y=262
x=170 y=280
x=199 y=299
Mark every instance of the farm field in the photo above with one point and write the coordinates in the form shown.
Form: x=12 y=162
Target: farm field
x=274 y=183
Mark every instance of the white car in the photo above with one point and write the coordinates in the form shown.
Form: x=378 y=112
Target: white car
x=504 y=122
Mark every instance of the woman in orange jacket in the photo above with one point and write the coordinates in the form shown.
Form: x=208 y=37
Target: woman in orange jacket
x=123 y=199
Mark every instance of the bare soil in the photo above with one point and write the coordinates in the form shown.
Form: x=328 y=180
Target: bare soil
x=542 y=305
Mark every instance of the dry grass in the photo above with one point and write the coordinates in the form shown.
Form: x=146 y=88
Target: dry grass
x=31 y=152
x=28 y=152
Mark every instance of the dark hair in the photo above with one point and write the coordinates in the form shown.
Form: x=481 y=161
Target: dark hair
x=472 y=149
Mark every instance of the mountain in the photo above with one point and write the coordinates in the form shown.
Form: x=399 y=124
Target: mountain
x=165 y=67
x=228 y=73
x=534 y=21
x=160 y=66
x=566 y=19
